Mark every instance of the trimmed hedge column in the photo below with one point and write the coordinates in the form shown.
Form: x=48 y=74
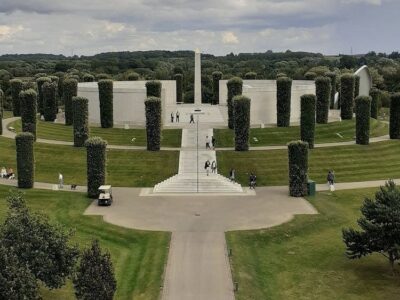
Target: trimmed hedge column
x=217 y=76
x=153 y=123
x=88 y=78
x=28 y=100
x=376 y=97
x=70 y=90
x=179 y=87
x=333 y=77
x=363 y=114
x=25 y=160
x=50 y=107
x=241 y=114
x=81 y=123
x=323 y=93
x=40 y=81
x=283 y=98
x=96 y=160
x=106 y=103
x=235 y=88
x=298 y=168
x=347 y=82
x=307 y=119
x=394 y=127
x=16 y=87
x=1 y=110
x=153 y=88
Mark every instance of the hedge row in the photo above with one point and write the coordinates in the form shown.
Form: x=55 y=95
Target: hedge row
x=16 y=86
x=81 y=123
x=241 y=114
x=25 y=160
x=283 y=99
x=375 y=95
x=153 y=88
x=70 y=90
x=1 y=110
x=307 y=119
x=323 y=93
x=106 y=103
x=298 y=168
x=363 y=114
x=153 y=123
x=235 y=88
x=217 y=76
x=40 y=81
x=347 y=82
x=394 y=127
x=50 y=106
x=333 y=77
x=28 y=100
x=179 y=87
x=96 y=161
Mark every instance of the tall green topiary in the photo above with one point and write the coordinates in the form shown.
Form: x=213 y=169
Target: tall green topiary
x=356 y=86
x=323 y=93
x=106 y=103
x=298 y=168
x=153 y=88
x=96 y=165
x=241 y=114
x=81 y=123
x=179 y=87
x=310 y=76
x=394 y=127
x=1 y=111
x=28 y=100
x=250 y=75
x=70 y=90
x=54 y=79
x=217 y=76
x=16 y=87
x=153 y=123
x=40 y=81
x=283 y=99
x=133 y=76
x=307 y=119
x=50 y=107
x=235 y=88
x=88 y=78
x=347 y=82
x=363 y=114
x=375 y=95
x=25 y=160
x=333 y=77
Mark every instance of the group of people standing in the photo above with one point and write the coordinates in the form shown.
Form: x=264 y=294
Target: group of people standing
x=7 y=173
x=177 y=114
x=212 y=166
x=210 y=142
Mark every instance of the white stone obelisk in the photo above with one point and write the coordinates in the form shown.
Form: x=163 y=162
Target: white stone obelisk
x=197 y=77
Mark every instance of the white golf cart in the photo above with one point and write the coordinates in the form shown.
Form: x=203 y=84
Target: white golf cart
x=105 y=195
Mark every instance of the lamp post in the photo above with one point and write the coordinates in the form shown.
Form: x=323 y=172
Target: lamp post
x=197 y=112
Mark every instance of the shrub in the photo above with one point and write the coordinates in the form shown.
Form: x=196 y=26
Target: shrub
x=375 y=95
x=347 y=82
x=133 y=76
x=179 y=87
x=88 y=78
x=385 y=99
x=323 y=93
x=106 y=103
x=81 y=123
x=394 y=127
x=102 y=76
x=241 y=114
x=307 y=119
x=40 y=81
x=250 y=75
x=280 y=75
x=283 y=98
x=217 y=76
x=310 y=75
x=333 y=77
x=25 y=160
x=235 y=88
x=153 y=88
x=50 y=101
x=298 y=168
x=96 y=165
x=363 y=114
x=356 y=86
x=70 y=90
x=54 y=78
x=16 y=87
x=1 y=111
x=28 y=100
x=153 y=123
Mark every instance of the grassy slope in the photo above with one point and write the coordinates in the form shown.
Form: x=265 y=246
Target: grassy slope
x=325 y=133
x=125 y=168
x=304 y=259
x=114 y=136
x=350 y=163
x=138 y=256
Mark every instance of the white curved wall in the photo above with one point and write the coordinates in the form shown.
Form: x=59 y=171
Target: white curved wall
x=365 y=80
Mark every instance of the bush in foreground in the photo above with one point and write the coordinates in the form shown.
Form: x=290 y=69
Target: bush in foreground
x=283 y=99
x=50 y=106
x=25 y=160
x=40 y=81
x=28 y=100
x=347 y=82
x=153 y=88
x=96 y=160
x=16 y=87
x=153 y=123
x=81 y=123
x=241 y=114
x=323 y=93
x=70 y=90
x=363 y=114
x=307 y=119
x=106 y=103
x=298 y=168
x=235 y=88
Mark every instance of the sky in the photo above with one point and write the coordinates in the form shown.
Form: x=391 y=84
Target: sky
x=87 y=27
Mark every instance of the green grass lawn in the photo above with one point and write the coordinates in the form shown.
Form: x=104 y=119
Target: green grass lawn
x=350 y=163
x=139 y=257
x=305 y=258
x=325 y=133
x=114 y=136
x=124 y=167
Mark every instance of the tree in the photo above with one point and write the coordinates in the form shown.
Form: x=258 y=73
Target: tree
x=16 y=87
x=81 y=123
x=179 y=87
x=323 y=93
x=394 y=126
x=40 y=81
x=70 y=90
x=153 y=123
x=333 y=77
x=380 y=230
x=96 y=160
x=298 y=168
x=241 y=105
x=95 y=277
x=28 y=100
x=106 y=103
x=283 y=99
x=363 y=114
x=235 y=88
x=375 y=95
x=307 y=119
x=25 y=159
x=216 y=77
x=50 y=106
x=347 y=82
x=153 y=88
x=1 y=111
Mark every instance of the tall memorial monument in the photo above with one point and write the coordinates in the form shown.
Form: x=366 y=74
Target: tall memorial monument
x=197 y=77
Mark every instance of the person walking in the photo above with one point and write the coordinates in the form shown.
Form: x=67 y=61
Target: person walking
x=60 y=180
x=191 y=119
x=207 y=167
x=213 y=142
x=232 y=175
x=252 y=181
x=208 y=143
x=331 y=180
x=177 y=116
x=214 y=167
x=172 y=117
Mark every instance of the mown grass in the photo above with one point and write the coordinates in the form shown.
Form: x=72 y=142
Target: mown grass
x=350 y=163
x=324 y=133
x=124 y=167
x=139 y=257
x=114 y=136
x=305 y=258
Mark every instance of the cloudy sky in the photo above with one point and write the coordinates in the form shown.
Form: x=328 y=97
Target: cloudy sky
x=86 y=27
